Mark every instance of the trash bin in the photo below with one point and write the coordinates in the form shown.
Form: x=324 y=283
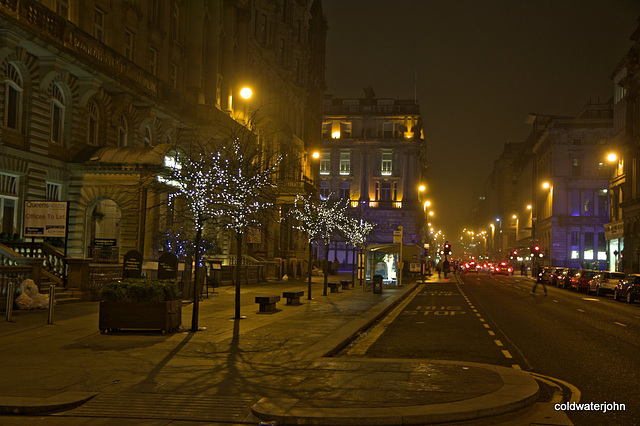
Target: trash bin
x=377 y=284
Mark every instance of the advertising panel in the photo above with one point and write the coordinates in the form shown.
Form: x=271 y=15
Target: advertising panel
x=45 y=218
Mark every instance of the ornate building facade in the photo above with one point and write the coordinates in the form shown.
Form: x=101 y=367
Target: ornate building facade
x=95 y=93
x=374 y=155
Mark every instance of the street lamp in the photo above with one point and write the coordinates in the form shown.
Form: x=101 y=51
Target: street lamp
x=612 y=157
x=246 y=93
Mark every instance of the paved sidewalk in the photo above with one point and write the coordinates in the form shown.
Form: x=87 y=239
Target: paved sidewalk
x=269 y=366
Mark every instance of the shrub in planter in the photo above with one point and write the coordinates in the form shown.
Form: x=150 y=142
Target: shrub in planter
x=140 y=304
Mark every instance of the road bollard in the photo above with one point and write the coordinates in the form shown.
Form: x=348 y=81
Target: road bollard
x=52 y=295
x=9 y=312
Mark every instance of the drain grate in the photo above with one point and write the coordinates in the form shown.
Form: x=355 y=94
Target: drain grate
x=163 y=406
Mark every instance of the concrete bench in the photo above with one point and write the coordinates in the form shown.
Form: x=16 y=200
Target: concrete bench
x=293 y=297
x=335 y=287
x=267 y=303
x=345 y=284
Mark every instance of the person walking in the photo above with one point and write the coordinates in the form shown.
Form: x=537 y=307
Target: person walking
x=439 y=268
x=535 y=285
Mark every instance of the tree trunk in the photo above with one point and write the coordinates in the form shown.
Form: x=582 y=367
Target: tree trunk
x=196 y=288
x=238 y=274
x=309 y=278
x=326 y=268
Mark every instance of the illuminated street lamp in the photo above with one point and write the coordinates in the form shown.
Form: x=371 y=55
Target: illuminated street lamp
x=546 y=185
x=612 y=157
x=246 y=93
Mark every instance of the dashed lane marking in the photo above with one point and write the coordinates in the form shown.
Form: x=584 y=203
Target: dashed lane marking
x=498 y=342
x=516 y=367
x=507 y=354
x=491 y=333
x=581 y=310
x=486 y=325
x=620 y=324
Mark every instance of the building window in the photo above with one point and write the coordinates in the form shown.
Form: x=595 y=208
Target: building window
x=576 y=169
x=588 y=246
x=53 y=192
x=8 y=204
x=153 y=60
x=148 y=139
x=128 y=45
x=386 y=166
x=122 y=131
x=345 y=163
x=345 y=190
x=92 y=124
x=57 y=115
x=173 y=76
x=175 y=22
x=325 y=163
x=587 y=205
x=602 y=246
x=155 y=11
x=326 y=130
x=13 y=98
x=62 y=8
x=324 y=189
x=575 y=245
x=281 y=52
x=262 y=29
x=387 y=131
x=345 y=130
x=98 y=24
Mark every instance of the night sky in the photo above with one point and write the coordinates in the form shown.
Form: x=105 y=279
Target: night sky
x=481 y=67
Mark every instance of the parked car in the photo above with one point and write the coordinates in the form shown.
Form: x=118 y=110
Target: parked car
x=628 y=288
x=604 y=282
x=580 y=281
x=555 y=275
x=564 y=280
x=503 y=268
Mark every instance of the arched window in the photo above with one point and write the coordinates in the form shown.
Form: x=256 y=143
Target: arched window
x=92 y=123
x=12 y=98
x=147 y=136
x=57 y=115
x=123 y=131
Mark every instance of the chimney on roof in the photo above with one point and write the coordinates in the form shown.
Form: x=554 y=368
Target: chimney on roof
x=369 y=93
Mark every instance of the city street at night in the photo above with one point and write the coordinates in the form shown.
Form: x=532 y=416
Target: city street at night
x=587 y=342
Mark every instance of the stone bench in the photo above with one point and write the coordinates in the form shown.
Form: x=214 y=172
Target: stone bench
x=267 y=303
x=293 y=297
x=335 y=287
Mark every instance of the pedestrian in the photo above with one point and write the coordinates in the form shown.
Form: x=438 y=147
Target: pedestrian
x=538 y=279
x=439 y=268
x=445 y=267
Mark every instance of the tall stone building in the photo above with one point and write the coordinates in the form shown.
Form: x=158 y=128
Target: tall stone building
x=374 y=155
x=623 y=228
x=97 y=92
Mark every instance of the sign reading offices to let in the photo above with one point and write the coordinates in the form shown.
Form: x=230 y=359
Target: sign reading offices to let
x=45 y=218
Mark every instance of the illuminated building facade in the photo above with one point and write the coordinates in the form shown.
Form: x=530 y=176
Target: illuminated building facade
x=96 y=93
x=373 y=154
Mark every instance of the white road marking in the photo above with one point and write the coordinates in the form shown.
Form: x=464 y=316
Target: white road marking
x=581 y=310
x=506 y=354
x=620 y=324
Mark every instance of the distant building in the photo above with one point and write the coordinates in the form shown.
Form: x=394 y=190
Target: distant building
x=373 y=154
x=623 y=228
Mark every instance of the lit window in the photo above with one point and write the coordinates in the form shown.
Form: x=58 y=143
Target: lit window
x=98 y=24
x=325 y=163
x=345 y=162
x=387 y=163
x=324 y=189
x=13 y=98
x=345 y=190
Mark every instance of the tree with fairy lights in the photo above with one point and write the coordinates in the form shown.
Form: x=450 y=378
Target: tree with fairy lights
x=357 y=231
x=227 y=179
x=321 y=220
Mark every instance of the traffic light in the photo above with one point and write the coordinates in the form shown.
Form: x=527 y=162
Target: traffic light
x=535 y=250
x=447 y=248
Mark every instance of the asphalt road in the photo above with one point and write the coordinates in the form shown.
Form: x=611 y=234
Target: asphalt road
x=591 y=344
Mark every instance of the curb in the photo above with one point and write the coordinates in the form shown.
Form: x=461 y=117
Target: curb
x=28 y=405
x=519 y=390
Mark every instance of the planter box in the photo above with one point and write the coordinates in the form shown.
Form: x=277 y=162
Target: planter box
x=165 y=316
